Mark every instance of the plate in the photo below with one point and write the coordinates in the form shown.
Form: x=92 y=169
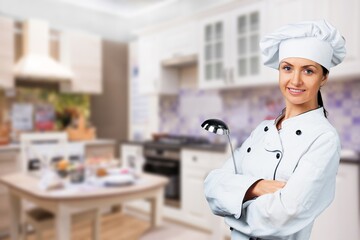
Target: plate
x=118 y=180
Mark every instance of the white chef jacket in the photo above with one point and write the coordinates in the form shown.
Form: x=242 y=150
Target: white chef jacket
x=305 y=154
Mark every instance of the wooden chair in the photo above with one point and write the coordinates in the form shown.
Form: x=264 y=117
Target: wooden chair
x=39 y=218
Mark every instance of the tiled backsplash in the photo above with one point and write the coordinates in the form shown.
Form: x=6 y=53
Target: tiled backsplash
x=244 y=109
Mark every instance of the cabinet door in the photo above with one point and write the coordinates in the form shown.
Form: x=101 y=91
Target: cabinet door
x=342 y=219
x=346 y=17
x=82 y=53
x=180 y=41
x=149 y=65
x=246 y=26
x=213 y=50
x=6 y=53
x=195 y=165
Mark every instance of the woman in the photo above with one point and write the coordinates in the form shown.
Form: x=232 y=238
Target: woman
x=287 y=167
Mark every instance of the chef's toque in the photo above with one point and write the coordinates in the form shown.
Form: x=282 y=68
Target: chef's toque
x=318 y=41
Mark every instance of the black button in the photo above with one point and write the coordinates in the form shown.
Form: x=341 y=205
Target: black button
x=249 y=149
x=266 y=129
x=231 y=229
x=278 y=155
x=298 y=132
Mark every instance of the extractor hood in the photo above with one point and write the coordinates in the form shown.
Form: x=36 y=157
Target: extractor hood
x=180 y=61
x=36 y=62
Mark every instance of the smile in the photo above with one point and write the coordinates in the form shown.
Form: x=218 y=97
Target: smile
x=296 y=91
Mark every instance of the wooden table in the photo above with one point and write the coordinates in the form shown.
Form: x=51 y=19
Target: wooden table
x=64 y=203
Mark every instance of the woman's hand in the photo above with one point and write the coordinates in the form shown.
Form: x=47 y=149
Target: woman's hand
x=262 y=187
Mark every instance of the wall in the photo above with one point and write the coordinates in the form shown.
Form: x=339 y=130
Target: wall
x=243 y=109
x=110 y=110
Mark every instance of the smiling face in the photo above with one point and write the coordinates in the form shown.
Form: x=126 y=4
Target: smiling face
x=299 y=82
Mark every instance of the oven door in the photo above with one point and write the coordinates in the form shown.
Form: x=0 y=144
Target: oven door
x=169 y=169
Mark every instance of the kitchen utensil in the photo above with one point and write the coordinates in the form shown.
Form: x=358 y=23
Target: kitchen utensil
x=219 y=127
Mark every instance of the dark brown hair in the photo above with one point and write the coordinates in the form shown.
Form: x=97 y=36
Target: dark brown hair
x=319 y=98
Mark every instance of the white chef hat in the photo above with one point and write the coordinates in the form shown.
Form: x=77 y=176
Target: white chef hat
x=318 y=41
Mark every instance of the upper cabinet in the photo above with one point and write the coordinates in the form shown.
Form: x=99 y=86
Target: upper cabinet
x=180 y=42
x=344 y=16
x=229 y=52
x=153 y=78
x=226 y=41
x=82 y=53
x=7 y=45
x=164 y=46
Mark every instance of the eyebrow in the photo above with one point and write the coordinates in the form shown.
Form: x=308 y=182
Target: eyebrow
x=305 y=66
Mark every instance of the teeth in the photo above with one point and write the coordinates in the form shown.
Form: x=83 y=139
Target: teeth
x=296 y=90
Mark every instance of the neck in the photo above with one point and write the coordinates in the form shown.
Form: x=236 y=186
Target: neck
x=294 y=110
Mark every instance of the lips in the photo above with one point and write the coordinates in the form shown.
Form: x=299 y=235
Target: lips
x=295 y=91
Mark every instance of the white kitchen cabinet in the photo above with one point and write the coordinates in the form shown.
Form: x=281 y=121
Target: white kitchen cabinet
x=153 y=79
x=179 y=41
x=344 y=16
x=229 y=52
x=82 y=53
x=195 y=165
x=214 y=52
x=342 y=219
x=7 y=45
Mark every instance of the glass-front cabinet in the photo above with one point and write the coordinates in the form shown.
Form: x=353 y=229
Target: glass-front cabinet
x=230 y=54
x=247 y=62
x=212 y=53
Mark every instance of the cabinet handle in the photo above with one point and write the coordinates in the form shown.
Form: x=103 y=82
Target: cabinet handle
x=194 y=159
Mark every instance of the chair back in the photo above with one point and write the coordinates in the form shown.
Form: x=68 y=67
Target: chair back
x=42 y=147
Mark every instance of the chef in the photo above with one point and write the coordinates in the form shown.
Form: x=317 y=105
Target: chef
x=287 y=167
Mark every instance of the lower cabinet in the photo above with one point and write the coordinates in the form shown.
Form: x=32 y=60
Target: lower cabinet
x=195 y=165
x=8 y=164
x=342 y=219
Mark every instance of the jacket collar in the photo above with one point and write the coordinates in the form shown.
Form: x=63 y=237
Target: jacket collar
x=272 y=140
x=306 y=117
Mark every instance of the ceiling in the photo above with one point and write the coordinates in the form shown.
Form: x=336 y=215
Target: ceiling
x=123 y=8
x=112 y=19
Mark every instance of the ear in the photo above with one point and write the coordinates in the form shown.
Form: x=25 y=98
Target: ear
x=324 y=80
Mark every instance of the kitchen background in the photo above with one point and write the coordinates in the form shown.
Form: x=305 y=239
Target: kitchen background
x=244 y=109
x=145 y=70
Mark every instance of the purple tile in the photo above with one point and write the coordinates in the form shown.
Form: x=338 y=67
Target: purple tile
x=356 y=120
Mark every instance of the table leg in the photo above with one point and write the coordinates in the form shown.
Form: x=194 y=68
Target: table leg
x=96 y=225
x=15 y=211
x=63 y=223
x=157 y=204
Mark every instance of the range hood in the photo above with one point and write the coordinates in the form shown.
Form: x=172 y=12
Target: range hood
x=180 y=61
x=36 y=63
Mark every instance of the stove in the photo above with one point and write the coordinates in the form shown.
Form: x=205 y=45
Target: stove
x=162 y=157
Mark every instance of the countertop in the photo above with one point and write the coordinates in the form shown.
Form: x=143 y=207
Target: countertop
x=16 y=146
x=346 y=156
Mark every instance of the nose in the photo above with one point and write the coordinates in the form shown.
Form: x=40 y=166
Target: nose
x=296 y=78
